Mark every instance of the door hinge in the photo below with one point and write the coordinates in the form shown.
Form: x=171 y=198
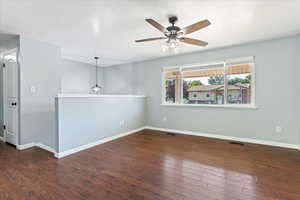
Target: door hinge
x=3 y=65
x=4 y=127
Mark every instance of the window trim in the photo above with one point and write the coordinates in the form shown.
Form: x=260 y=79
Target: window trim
x=238 y=106
x=252 y=105
x=225 y=83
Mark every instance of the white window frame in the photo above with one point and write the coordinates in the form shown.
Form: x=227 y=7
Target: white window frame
x=252 y=105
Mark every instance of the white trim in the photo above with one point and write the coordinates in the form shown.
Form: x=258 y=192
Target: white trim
x=98 y=96
x=225 y=95
x=253 y=83
x=25 y=146
x=223 y=137
x=108 y=139
x=163 y=88
x=181 y=86
x=202 y=64
x=238 y=60
x=87 y=146
x=210 y=63
x=32 y=144
x=45 y=147
x=239 y=106
x=10 y=52
x=2 y=139
x=170 y=69
x=4 y=61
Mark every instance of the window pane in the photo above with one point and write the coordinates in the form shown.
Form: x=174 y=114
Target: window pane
x=204 y=85
x=239 y=84
x=170 y=91
x=170 y=85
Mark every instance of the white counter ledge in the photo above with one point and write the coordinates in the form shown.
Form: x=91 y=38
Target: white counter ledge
x=98 y=96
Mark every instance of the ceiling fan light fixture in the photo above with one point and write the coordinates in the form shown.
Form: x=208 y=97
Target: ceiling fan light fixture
x=164 y=47
x=171 y=45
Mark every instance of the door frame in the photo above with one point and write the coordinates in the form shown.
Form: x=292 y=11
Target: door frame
x=15 y=50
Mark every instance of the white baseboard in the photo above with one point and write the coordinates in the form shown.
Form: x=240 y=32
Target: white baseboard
x=45 y=147
x=2 y=139
x=104 y=140
x=86 y=146
x=77 y=149
x=246 y=140
x=25 y=146
x=32 y=144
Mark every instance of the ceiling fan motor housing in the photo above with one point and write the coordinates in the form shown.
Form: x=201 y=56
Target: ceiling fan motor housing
x=173 y=19
x=173 y=30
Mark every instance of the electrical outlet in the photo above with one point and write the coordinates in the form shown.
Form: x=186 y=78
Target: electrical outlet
x=164 y=118
x=122 y=123
x=278 y=129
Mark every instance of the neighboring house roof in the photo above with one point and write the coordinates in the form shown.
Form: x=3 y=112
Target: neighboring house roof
x=245 y=85
x=204 y=88
x=200 y=88
x=233 y=87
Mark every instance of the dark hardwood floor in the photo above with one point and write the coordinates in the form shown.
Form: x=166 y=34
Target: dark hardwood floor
x=153 y=166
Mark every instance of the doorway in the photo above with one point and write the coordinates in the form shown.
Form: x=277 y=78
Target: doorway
x=11 y=97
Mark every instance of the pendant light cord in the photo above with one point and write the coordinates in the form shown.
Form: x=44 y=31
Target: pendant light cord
x=96 y=58
x=97 y=72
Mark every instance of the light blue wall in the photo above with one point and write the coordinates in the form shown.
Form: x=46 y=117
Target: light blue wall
x=122 y=79
x=43 y=67
x=77 y=77
x=277 y=96
x=86 y=120
x=40 y=67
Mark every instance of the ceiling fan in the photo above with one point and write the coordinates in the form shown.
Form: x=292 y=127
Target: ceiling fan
x=173 y=33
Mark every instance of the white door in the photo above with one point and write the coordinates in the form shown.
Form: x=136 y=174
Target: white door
x=11 y=101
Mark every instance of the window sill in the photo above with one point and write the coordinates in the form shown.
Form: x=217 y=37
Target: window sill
x=209 y=106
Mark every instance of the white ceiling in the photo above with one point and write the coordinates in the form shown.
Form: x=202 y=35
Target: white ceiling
x=108 y=28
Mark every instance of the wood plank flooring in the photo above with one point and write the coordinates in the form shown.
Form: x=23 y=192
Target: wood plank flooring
x=151 y=165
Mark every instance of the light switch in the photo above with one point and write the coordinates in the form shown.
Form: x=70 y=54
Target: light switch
x=278 y=129
x=33 y=89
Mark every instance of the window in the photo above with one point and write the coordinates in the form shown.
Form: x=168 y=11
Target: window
x=171 y=85
x=170 y=90
x=239 y=83
x=220 y=83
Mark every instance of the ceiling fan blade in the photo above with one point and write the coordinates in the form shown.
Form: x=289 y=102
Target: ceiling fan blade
x=156 y=25
x=193 y=41
x=151 y=39
x=195 y=27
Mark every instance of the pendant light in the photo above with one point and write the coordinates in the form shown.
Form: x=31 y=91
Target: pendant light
x=96 y=89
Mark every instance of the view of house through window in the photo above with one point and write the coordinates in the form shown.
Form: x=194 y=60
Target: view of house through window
x=228 y=82
x=239 y=84
x=203 y=85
